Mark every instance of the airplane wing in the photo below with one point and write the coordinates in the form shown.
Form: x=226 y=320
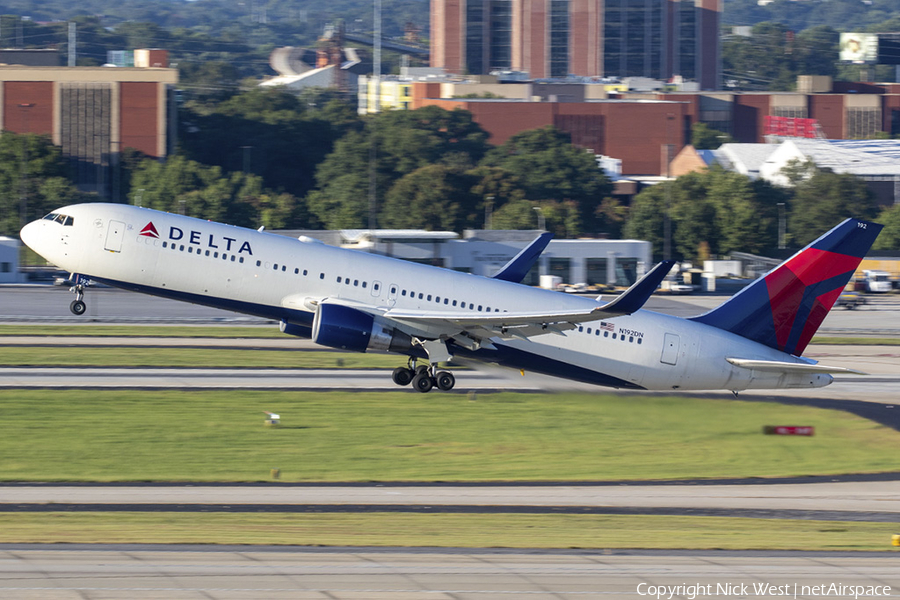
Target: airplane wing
x=526 y=324
x=788 y=367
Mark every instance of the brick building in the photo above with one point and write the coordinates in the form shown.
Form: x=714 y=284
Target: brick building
x=594 y=38
x=92 y=113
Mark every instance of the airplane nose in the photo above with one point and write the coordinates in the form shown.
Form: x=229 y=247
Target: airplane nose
x=30 y=234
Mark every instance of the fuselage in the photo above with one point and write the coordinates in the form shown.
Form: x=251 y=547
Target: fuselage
x=273 y=276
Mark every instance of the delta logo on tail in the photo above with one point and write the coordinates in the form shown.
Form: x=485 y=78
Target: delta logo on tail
x=784 y=308
x=149 y=230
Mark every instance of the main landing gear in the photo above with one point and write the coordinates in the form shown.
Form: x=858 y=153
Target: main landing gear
x=77 y=305
x=423 y=377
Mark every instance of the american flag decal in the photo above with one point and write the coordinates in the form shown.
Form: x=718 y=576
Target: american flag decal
x=607 y=326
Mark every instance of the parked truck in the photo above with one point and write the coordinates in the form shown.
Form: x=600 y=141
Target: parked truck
x=877 y=282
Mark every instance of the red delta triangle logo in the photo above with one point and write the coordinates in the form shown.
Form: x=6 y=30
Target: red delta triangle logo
x=149 y=230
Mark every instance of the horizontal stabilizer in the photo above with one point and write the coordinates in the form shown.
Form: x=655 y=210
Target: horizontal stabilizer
x=788 y=367
x=517 y=268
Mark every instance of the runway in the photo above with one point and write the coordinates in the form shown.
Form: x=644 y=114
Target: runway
x=126 y=572
x=854 y=498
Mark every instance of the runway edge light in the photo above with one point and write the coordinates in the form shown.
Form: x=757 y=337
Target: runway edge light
x=895 y=539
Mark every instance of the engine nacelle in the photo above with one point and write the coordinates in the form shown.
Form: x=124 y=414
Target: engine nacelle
x=346 y=328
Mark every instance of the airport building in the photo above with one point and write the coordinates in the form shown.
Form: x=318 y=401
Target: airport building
x=484 y=252
x=877 y=162
x=595 y=38
x=93 y=113
x=9 y=260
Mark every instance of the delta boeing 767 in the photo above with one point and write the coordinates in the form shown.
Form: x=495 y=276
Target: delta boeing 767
x=356 y=301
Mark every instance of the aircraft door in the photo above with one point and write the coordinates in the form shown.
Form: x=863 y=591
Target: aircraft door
x=392 y=294
x=114 y=236
x=376 y=288
x=670 y=349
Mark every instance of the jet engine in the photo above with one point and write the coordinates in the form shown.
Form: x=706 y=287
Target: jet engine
x=346 y=328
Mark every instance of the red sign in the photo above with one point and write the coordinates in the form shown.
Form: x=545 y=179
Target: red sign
x=791 y=127
x=788 y=430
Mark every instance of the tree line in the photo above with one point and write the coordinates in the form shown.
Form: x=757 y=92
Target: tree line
x=267 y=157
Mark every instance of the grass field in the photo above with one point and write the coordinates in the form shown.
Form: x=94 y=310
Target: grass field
x=480 y=531
x=87 y=356
x=271 y=331
x=100 y=330
x=91 y=435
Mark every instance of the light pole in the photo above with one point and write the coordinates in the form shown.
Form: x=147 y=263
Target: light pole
x=667 y=219
x=23 y=200
x=781 y=226
x=541 y=222
x=488 y=212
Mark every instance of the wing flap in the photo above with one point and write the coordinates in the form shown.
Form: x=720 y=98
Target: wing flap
x=788 y=367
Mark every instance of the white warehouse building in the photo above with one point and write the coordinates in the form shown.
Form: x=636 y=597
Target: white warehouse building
x=9 y=260
x=484 y=252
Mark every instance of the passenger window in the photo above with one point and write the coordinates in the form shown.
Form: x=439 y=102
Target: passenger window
x=479 y=307
x=283 y=268
x=338 y=279
x=605 y=334
x=356 y=283
x=640 y=340
x=321 y=275
x=296 y=271
x=305 y=272
x=428 y=298
x=165 y=245
x=364 y=284
x=258 y=263
x=181 y=248
x=403 y=293
x=446 y=300
x=454 y=303
x=614 y=336
x=207 y=253
x=589 y=329
x=420 y=295
x=233 y=257
x=580 y=329
x=462 y=304
x=241 y=259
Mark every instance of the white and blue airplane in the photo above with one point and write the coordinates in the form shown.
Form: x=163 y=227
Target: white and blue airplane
x=356 y=301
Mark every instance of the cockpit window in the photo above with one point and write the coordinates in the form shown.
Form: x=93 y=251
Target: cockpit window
x=64 y=220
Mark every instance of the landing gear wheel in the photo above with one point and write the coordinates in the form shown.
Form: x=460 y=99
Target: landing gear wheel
x=402 y=376
x=423 y=370
x=445 y=381
x=77 y=307
x=423 y=383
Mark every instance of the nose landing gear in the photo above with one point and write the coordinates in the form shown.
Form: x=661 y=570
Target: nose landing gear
x=77 y=306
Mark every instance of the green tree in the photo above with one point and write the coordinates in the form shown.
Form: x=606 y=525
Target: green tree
x=889 y=238
x=704 y=137
x=550 y=169
x=826 y=199
x=184 y=186
x=399 y=143
x=711 y=212
x=33 y=176
x=265 y=132
x=433 y=197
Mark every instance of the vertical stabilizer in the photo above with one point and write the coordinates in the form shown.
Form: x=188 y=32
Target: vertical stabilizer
x=784 y=308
